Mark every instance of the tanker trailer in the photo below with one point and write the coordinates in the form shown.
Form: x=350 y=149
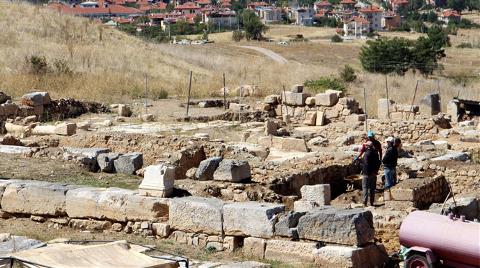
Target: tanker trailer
x=429 y=240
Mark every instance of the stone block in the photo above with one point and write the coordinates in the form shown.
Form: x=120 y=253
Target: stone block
x=265 y=141
x=396 y=116
x=86 y=156
x=250 y=218
x=293 y=144
x=105 y=162
x=331 y=113
x=310 y=101
x=124 y=110
x=320 y=120
x=97 y=203
x=270 y=127
x=334 y=256
x=320 y=194
x=231 y=243
x=66 y=129
x=9 y=109
x=128 y=163
x=453 y=110
x=272 y=99
x=354 y=119
x=196 y=214
x=161 y=229
x=296 y=99
x=186 y=159
x=430 y=104
x=206 y=168
x=297 y=88
x=44 y=130
x=304 y=206
x=333 y=225
x=290 y=251
x=90 y=225
x=286 y=222
x=383 y=108
x=310 y=118
x=158 y=180
x=326 y=99
x=142 y=208
x=337 y=92
x=38 y=198
x=232 y=170
x=147 y=117
x=36 y=99
x=254 y=247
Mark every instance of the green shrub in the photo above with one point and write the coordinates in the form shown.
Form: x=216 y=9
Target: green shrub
x=347 y=74
x=237 y=36
x=61 y=67
x=161 y=94
x=336 y=39
x=325 y=83
x=36 y=65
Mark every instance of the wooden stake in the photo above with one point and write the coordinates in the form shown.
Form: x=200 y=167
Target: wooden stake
x=388 y=100
x=365 y=106
x=413 y=101
x=189 y=91
x=224 y=94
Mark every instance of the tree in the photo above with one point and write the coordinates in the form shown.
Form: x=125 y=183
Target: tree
x=425 y=55
x=438 y=37
x=347 y=74
x=387 y=55
x=254 y=28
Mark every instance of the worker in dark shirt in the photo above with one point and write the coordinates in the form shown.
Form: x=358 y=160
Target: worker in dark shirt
x=376 y=144
x=371 y=164
x=390 y=162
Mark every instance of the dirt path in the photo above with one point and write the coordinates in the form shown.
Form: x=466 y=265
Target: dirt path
x=267 y=52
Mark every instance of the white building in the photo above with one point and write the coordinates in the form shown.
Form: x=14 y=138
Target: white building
x=270 y=14
x=302 y=16
x=356 y=27
x=373 y=15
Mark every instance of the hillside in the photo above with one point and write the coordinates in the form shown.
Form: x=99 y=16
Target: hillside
x=109 y=65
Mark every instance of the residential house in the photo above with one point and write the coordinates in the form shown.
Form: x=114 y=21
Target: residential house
x=398 y=4
x=323 y=5
x=373 y=15
x=203 y=3
x=222 y=18
x=348 y=4
x=188 y=8
x=302 y=16
x=356 y=26
x=270 y=14
x=391 y=20
x=255 y=5
x=449 y=15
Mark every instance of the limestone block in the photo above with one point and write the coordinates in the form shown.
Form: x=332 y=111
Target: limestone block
x=254 y=247
x=354 y=119
x=142 y=208
x=272 y=99
x=250 y=218
x=297 y=88
x=293 y=144
x=196 y=214
x=128 y=163
x=186 y=159
x=337 y=92
x=310 y=118
x=124 y=110
x=265 y=141
x=331 y=113
x=319 y=193
x=296 y=99
x=232 y=170
x=453 y=110
x=161 y=229
x=147 y=117
x=383 y=108
x=396 y=116
x=430 y=104
x=333 y=225
x=326 y=99
x=158 y=180
x=304 y=206
x=36 y=99
x=320 y=120
x=334 y=256
x=66 y=129
x=38 y=198
x=310 y=101
x=206 y=168
x=86 y=156
x=44 y=130
x=286 y=223
x=105 y=162
x=270 y=127
x=290 y=251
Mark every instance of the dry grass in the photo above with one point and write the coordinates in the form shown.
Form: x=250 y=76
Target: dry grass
x=111 y=66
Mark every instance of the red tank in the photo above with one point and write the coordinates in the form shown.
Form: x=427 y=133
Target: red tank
x=449 y=239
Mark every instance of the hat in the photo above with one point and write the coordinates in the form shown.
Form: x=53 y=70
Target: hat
x=389 y=139
x=371 y=134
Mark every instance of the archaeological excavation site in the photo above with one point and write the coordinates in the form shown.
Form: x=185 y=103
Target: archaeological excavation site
x=239 y=181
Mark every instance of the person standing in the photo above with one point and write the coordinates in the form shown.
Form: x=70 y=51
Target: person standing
x=376 y=145
x=371 y=164
x=390 y=162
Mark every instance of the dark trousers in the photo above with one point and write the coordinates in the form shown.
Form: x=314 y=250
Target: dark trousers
x=369 y=183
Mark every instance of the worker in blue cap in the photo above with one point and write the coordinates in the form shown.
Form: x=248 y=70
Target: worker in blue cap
x=375 y=143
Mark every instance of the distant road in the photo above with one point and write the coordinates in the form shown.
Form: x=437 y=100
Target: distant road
x=267 y=52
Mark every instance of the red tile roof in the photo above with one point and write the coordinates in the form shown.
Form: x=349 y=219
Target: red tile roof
x=323 y=4
x=358 y=20
x=348 y=2
x=204 y=2
x=187 y=5
x=371 y=9
x=400 y=2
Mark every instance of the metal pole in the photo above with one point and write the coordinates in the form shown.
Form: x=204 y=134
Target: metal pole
x=365 y=106
x=224 y=93
x=284 y=100
x=146 y=91
x=413 y=100
x=388 y=100
x=189 y=90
